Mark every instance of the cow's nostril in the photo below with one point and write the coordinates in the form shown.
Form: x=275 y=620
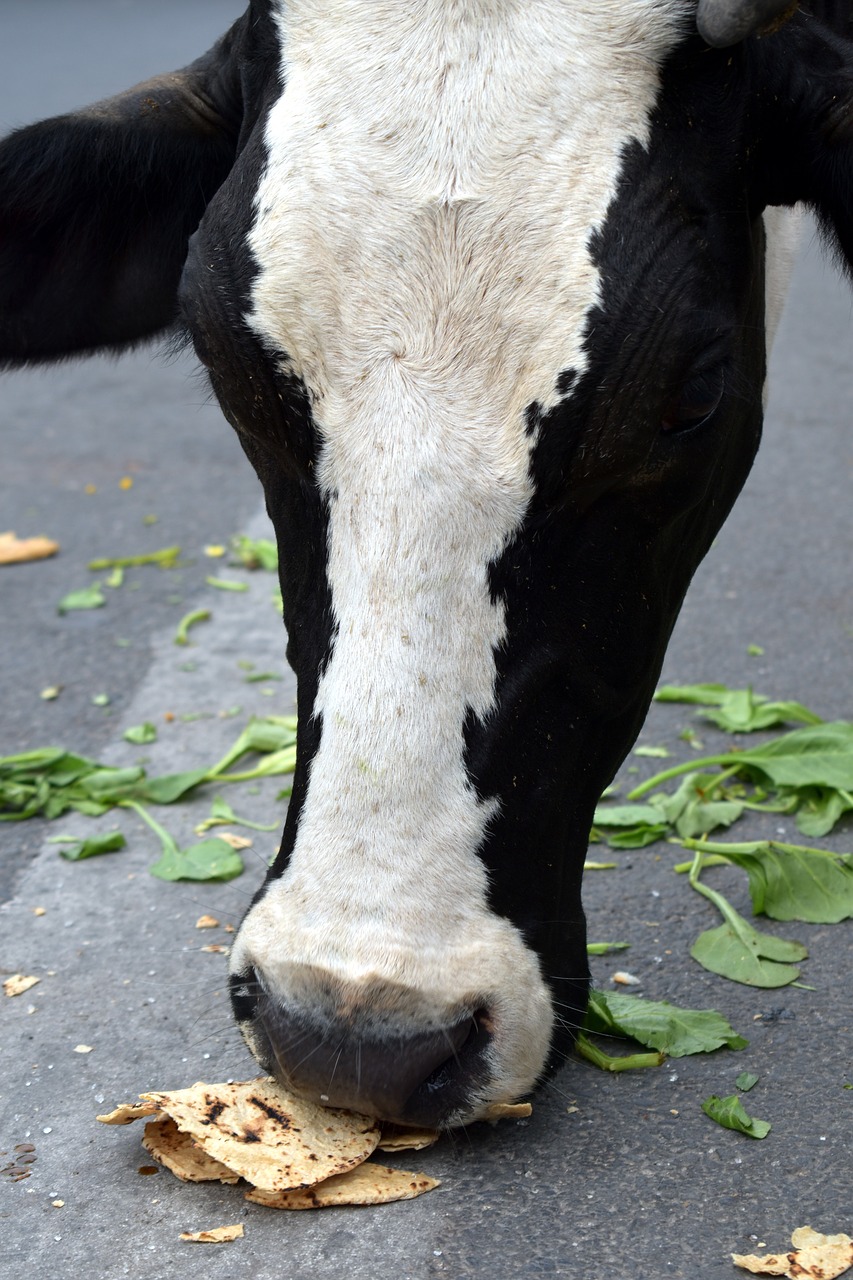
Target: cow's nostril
x=421 y=1078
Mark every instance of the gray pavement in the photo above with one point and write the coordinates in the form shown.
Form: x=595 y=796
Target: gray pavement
x=612 y=1177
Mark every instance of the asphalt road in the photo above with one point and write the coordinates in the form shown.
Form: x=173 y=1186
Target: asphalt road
x=613 y=1177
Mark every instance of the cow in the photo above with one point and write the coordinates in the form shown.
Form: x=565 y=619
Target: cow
x=483 y=286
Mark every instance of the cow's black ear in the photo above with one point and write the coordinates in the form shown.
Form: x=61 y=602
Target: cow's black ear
x=96 y=208
x=805 y=123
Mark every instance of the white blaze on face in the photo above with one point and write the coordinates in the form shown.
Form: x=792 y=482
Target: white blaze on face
x=435 y=170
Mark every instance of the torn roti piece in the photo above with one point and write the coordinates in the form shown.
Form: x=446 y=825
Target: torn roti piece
x=19 y=983
x=218 y=1235
x=368 y=1184
x=814 y=1257
x=273 y=1139
x=508 y=1111
x=14 y=550
x=128 y=1112
x=396 y=1138
x=177 y=1151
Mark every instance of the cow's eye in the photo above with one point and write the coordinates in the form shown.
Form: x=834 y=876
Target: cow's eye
x=696 y=402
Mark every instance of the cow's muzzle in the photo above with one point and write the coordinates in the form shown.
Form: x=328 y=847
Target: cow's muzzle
x=422 y=1078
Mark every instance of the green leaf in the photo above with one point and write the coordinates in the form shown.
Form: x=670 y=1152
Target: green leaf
x=737 y=710
x=141 y=734
x=791 y=882
x=626 y=815
x=169 y=787
x=729 y=1113
x=820 y=808
x=816 y=756
x=741 y=953
x=654 y=753
x=94 y=846
x=605 y=948
x=256 y=553
x=691 y=809
x=210 y=859
x=746 y=1081
x=86 y=598
x=702 y=694
x=660 y=1025
x=227 y=584
x=788 y=881
x=107 y=785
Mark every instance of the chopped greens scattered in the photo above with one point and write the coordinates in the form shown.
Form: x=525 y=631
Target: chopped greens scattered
x=255 y=553
x=86 y=598
x=166 y=559
x=222 y=815
x=190 y=620
x=737 y=710
x=94 y=846
x=227 y=584
x=51 y=781
x=746 y=1081
x=729 y=1113
x=141 y=734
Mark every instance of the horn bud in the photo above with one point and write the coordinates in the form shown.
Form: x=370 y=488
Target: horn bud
x=726 y=22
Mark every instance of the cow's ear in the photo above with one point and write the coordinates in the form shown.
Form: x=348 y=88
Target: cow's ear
x=805 y=78
x=96 y=208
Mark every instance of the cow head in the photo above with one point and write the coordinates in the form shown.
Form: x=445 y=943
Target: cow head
x=481 y=287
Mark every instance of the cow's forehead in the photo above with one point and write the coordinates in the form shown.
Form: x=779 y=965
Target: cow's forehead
x=435 y=172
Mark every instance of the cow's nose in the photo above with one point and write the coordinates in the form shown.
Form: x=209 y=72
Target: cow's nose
x=421 y=1078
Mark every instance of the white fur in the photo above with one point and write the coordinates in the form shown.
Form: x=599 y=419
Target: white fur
x=436 y=168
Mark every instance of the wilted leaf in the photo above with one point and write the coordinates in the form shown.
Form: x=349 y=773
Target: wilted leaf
x=737 y=710
x=211 y=859
x=86 y=598
x=660 y=1025
x=741 y=953
x=729 y=1113
x=94 y=846
x=746 y=1081
x=141 y=734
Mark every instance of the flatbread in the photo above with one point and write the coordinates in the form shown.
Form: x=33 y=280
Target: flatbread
x=508 y=1111
x=216 y=1235
x=177 y=1151
x=814 y=1257
x=273 y=1139
x=128 y=1112
x=19 y=983
x=368 y=1184
x=396 y=1138
x=15 y=550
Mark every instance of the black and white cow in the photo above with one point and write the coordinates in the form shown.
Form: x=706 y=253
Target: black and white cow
x=481 y=285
